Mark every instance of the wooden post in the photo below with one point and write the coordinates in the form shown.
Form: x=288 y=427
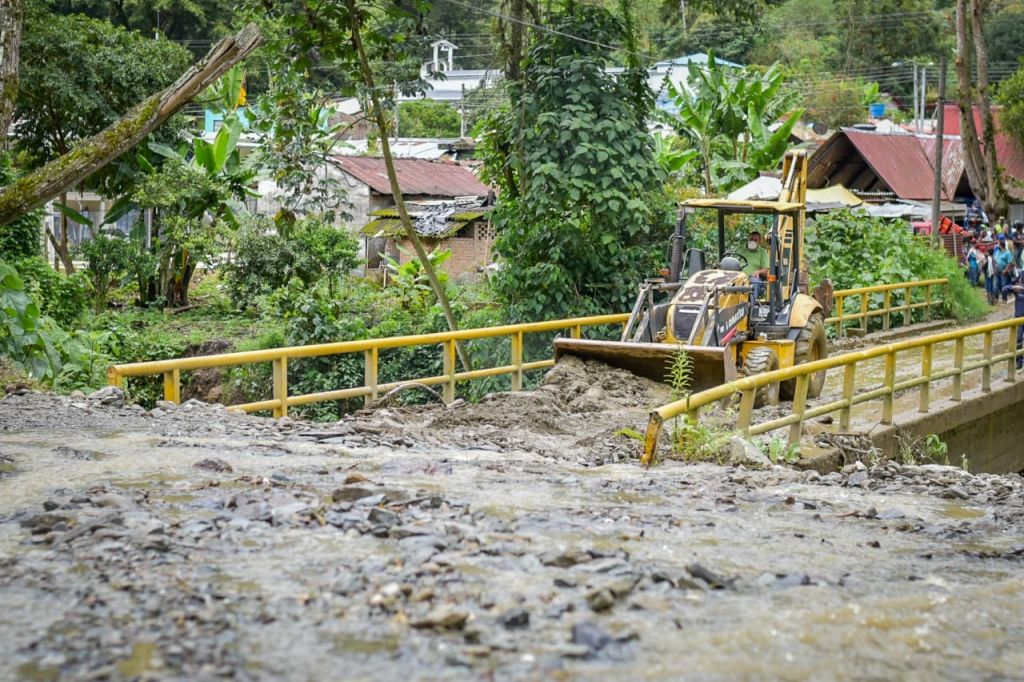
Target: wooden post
x=449 y=371
x=281 y=386
x=926 y=373
x=746 y=410
x=928 y=302
x=370 y=358
x=864 y=312
x=958 y=363
x=114 y=378
x=576 y=332
x=172 y=386
x=849 y=379
x=986 y=371
x=799 y=405
x=890 y=383
x=908 y=314
x=517 y=361
x=839 y=315
x=886 y=305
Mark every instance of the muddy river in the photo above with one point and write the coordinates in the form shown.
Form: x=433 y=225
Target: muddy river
x=516 y=539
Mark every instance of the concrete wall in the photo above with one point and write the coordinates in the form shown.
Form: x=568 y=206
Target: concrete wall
x=983 y=426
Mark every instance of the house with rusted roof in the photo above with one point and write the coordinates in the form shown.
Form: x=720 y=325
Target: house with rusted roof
x=365 y=179
x=881 y=167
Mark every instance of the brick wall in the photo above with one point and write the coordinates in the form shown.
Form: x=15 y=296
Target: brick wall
x=468 y=253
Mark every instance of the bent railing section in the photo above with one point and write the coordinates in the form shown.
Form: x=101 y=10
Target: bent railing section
x=930 y=349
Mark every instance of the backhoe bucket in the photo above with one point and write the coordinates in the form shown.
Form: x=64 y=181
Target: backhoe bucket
x=653 y=360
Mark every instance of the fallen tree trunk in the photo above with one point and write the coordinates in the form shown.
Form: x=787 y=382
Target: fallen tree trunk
x=35 y=189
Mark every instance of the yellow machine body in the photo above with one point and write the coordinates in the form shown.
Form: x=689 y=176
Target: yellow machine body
x=714 y=315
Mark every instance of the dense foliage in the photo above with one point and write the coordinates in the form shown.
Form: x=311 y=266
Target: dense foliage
x=427 y=118
x=21 y=238
x=856 y=250
x=265 y=260
x=580 y=202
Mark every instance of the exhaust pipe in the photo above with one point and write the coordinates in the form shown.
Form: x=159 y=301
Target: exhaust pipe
x=678 y=237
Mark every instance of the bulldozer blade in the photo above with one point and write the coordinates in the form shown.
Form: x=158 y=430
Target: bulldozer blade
x=710 y=366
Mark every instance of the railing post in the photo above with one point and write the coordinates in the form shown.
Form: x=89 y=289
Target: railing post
x=172 y=386
x=839 y=314
x=926 y=373
x=849 y=378
x=928 y=302
x=370 y=364
x=746 y=410
x=799 y=404
x=864 y=312
x=958 y=363
x=281 y=386
x=908 y=314
x=886 y=305
x=576 y=331
x=114 y=377
x=449 y=370
x=890 y=383
x=1011 y=348
x=517 y=361
x=986 y=371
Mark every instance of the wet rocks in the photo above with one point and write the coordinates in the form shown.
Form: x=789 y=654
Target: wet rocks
x=108 y=395
x=443 y=618
x=738 y=450
x=213 y=464
x=515 y=619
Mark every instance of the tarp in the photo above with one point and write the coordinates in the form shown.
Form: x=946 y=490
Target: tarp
x=767 y=188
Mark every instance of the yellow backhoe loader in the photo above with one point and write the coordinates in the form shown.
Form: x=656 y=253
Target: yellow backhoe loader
x=727 y=324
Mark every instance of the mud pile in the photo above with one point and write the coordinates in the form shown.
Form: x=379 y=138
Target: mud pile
x=574 y=414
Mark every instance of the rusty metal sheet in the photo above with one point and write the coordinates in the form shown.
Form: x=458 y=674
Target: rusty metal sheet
x=415 y=177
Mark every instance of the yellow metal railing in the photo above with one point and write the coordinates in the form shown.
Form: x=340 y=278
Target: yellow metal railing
x=279 y=357
x=886 y=311
x=800 y=413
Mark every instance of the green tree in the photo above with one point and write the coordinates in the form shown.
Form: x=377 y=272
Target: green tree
x=78 y=75
x=20 y=238
x=183 y=20
x=581 y=190
x=1010 y=95
x=427 y=118
x=726 y=112
x=873 y=33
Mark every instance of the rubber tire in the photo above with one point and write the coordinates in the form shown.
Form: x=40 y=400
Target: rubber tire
x=811 y=344
x=758 y=361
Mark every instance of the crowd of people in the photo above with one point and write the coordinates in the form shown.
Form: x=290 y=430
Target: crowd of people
x=993 y=256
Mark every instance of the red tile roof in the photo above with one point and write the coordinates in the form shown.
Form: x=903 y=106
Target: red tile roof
x=415 y=177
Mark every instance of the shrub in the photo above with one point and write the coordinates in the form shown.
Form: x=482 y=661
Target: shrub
x=61 y=297
x=20 y=238
x=110 y=260
x=266 y=261
x=856 y=250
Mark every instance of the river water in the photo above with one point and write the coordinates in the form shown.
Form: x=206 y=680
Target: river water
x=440 y=545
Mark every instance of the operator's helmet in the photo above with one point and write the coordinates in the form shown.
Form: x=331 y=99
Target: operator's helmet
x=731 y=264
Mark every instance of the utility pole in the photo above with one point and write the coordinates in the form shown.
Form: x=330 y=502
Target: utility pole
x=917 y=101
x=939 y=122
x=462 y=113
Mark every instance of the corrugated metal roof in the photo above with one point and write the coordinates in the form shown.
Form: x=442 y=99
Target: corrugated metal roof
x=1009 y=154
x=382 y=227
x=899 y=160
x=874 y=163
x=415 y=177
